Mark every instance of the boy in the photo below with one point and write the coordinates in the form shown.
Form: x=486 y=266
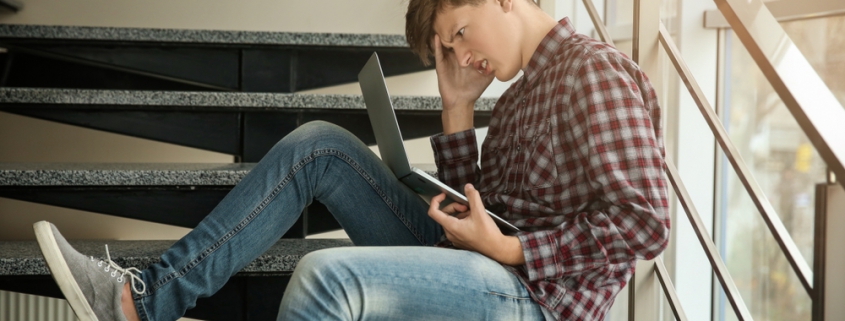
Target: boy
x=573 y=157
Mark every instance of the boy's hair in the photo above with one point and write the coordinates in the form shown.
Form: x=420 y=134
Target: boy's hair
x=419 y=23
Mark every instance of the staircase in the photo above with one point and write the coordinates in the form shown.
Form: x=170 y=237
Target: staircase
x=231 y=92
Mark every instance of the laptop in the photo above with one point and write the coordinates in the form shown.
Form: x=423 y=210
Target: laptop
x=392 y=148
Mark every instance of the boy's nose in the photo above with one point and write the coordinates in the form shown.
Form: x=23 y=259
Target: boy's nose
x=464 y=57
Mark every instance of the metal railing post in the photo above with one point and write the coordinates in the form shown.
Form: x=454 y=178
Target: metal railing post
x=644 y=295
x=829 y=257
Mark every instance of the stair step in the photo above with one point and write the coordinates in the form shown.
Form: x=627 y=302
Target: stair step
x=48 y=32
x=24 y=257
x=173 y=194
x=246 y=125
x=130 y=174
x=188 y=100
x=252 y=294
x=183 y=59
x=121 y=174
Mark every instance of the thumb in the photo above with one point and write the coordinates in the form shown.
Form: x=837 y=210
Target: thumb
x=474 y=198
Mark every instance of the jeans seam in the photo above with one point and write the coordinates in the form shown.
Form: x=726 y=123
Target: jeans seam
x=140 y=307
x=343 y=156
x=240 y=226
x=260 y=208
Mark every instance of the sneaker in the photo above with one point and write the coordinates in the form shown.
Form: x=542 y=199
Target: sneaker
x=93 y=288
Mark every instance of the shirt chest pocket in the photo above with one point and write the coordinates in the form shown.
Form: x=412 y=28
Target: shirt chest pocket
x=495 y=163
x=541 y=170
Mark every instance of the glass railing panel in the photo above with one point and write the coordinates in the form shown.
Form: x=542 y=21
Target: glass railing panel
x=777 y=151
x=805 y=94
x=762 y=274
x=821 y=42
x=785 y=163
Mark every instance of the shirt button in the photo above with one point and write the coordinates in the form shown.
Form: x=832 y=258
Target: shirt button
x=517 y=148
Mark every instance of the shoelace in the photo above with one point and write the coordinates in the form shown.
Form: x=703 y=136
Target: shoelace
x=123 y=272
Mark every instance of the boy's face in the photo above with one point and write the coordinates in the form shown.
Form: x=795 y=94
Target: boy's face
x=474 y=34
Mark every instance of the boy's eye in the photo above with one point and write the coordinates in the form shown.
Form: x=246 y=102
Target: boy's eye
x=461 y=32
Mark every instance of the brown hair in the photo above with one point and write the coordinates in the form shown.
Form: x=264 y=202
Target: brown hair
x=419 y=23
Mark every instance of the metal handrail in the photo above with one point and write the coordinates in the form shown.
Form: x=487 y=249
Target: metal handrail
x=784 y=11
x=669 y=289
x=600 y=27
x=11 y=5
x=767 y=211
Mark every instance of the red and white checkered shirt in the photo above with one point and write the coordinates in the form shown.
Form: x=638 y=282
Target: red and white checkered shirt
x=574 y=158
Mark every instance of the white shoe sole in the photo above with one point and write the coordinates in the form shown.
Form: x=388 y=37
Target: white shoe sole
x=61 y=272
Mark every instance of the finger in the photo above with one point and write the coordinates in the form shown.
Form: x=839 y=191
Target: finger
x=454 y=208
x=462 y=215
x=435 y=201
x=438 y=51
x=474 y=198
x=441 y=218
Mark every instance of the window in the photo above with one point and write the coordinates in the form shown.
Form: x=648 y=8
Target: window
x=786 y=165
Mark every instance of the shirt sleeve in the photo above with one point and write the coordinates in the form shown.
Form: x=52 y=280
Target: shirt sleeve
x=622 y=154
x=456 y=156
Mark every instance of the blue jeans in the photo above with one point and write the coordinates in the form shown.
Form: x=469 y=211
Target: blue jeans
x=320 y=161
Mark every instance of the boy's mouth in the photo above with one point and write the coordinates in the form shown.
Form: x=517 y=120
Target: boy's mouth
x=483 y=67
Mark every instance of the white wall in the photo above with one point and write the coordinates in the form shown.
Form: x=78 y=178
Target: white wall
x=695 y=160
x=372 y=16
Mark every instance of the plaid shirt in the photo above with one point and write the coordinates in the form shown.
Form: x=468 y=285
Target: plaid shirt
x=574 y=158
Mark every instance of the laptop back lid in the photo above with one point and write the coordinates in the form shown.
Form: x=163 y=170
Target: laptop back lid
x=383 y=118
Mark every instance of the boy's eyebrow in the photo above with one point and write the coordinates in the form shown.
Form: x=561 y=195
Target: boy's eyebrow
x=452 y=32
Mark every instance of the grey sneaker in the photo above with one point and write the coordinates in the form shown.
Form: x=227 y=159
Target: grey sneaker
x=93 y=288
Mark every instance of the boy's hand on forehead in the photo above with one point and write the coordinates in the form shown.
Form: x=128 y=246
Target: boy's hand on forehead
x=459 y=86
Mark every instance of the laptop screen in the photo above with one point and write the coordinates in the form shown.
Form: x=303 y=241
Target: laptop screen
x=383 y=118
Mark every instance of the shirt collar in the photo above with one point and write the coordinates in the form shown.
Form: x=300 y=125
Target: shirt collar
x=547 y=49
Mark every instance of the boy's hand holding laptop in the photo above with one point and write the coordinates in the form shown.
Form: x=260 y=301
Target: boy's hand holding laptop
x=470 y=228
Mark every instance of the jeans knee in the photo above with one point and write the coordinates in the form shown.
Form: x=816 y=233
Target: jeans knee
x=316 y=267
x=321 y=134
x=319 y=288
x=319 y=126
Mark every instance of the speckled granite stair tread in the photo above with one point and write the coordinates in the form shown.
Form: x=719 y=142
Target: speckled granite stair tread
x=128 y=174
x=24 y=257
x=204 y=36
x=148 y=99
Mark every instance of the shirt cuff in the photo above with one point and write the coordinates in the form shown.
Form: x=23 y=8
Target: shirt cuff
x=543 y=255
x=454 y=148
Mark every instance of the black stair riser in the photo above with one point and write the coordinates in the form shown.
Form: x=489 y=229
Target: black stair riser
x=214 y=131
x=183 y=206
x=248 y=135
x=192 y=67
